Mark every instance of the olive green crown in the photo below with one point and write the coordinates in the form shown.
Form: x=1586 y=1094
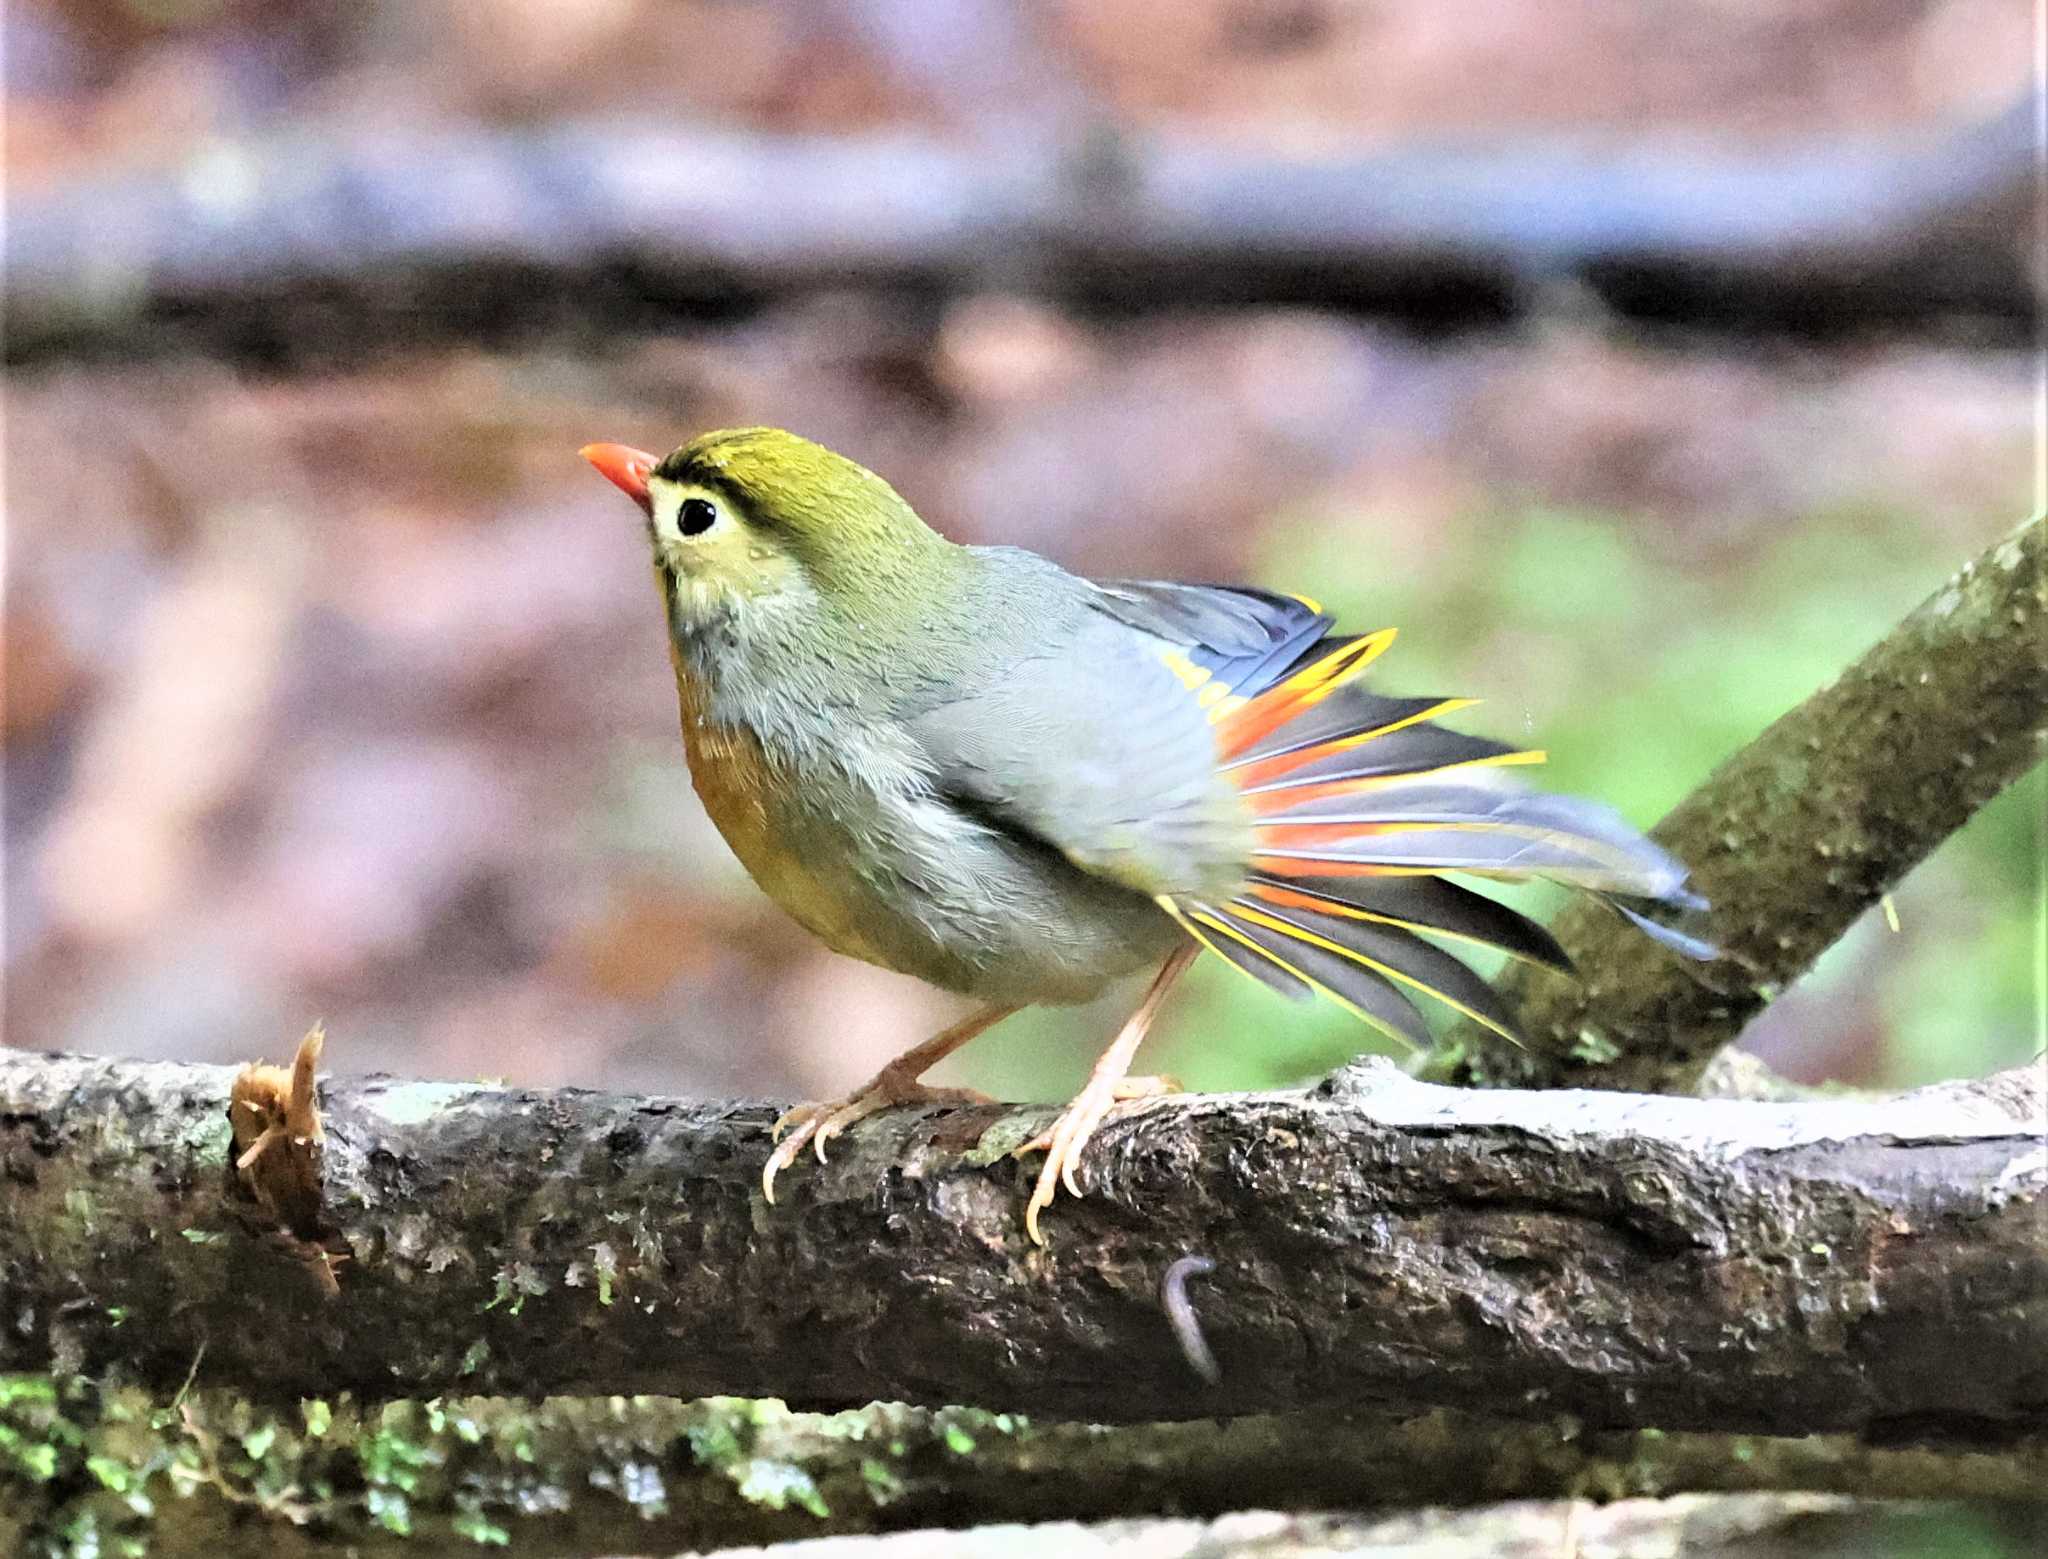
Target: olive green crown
x=822 y=501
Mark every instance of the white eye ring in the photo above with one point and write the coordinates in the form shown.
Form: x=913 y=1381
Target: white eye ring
x=684 y=512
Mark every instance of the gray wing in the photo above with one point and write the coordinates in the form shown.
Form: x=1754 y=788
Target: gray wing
x=1095 y=740
x=1245 y=639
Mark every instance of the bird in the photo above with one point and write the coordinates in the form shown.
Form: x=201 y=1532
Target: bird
x=968 y=764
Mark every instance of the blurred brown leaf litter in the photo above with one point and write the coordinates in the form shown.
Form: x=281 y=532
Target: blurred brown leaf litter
x=343 y=695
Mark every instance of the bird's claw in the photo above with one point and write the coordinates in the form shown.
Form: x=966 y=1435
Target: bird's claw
x=1062 y=1142
x=818 y=1124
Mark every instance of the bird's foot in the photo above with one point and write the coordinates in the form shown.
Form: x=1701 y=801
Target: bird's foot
x=1062 y=1142
x=818 y=1124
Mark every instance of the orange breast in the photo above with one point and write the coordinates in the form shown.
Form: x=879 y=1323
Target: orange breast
x=750 y=798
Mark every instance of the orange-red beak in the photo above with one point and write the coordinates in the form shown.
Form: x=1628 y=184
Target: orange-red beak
x=625 y=468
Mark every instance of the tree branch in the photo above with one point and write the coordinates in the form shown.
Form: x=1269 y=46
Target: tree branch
x=1872 y=1267
x=1796 y=836
x=654 y=1474
x=312 y=243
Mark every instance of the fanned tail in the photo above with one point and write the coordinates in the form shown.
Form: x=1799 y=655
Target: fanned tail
x=1359 y=803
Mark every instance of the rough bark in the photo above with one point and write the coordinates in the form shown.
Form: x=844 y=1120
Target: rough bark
x=318 y=243
x=1797 y=835
x=648 y=1475
x=1874 y=1267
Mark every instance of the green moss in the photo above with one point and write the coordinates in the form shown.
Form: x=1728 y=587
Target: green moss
x=94 y=1498
x=16 y=1390
x=638 y=1475
x=205 y=1143
x=1001 y=1140
x=883 y=1485
x=28 y=1458
x=391 y=1510
x=99 y=1469
x=715 y=1444
x=389 y=1453
x=1594 y=1046
x=517 y=1282
x=778 y=1485
x=479 y=1529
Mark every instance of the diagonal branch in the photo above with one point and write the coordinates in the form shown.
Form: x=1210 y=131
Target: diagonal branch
x=1797 y=835
x=1873 y=1267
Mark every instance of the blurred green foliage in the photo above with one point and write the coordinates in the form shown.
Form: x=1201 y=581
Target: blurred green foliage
x=1639 y=671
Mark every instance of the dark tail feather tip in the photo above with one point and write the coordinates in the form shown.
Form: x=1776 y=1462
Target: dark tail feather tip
x=1681 y=942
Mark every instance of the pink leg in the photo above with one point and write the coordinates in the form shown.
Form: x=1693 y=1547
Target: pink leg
x=1106 y=1084
x=897 y=1083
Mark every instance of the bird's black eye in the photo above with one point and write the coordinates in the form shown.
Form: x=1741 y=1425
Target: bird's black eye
x=696 y=516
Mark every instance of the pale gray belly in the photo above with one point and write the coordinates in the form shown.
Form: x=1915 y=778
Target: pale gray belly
x=901 y=878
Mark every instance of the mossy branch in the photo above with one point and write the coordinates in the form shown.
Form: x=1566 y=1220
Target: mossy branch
x=1634 y=1261
x=1797 y=835
x=82 y=1463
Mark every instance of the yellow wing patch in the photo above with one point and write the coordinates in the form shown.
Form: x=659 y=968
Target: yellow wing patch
x=1210 y=694
x=1192 y=677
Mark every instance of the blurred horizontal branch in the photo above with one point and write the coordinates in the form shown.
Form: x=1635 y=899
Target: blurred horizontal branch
x=1797 y=835
x=580 y=1475
x=327 y=242
x=1860 y=1266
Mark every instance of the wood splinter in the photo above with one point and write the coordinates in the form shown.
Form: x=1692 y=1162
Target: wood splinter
x=274 y=1113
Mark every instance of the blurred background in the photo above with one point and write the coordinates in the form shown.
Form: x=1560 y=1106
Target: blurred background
x=335 y=684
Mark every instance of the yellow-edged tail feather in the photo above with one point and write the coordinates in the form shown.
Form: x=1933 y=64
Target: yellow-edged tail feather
x=1359 y=804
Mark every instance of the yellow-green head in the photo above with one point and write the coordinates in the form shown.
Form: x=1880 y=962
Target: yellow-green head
x=747 y=517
